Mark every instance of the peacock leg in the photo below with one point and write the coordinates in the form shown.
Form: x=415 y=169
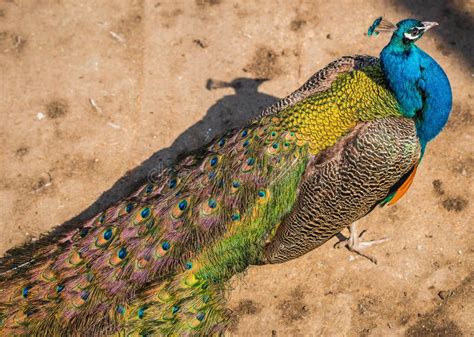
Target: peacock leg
x=356 y=245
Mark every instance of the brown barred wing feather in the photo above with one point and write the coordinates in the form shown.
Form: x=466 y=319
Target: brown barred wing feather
x=344 y=183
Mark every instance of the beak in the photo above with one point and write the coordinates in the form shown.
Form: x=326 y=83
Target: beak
x=428 y=25
x=212 y=84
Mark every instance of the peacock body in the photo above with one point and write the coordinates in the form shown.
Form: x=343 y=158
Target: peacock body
x=157 y=263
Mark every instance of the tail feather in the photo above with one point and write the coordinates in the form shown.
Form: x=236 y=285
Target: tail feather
x=156 y=233
x=192 y=302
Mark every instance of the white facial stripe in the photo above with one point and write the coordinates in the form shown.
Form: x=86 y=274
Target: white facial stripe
x=410 y=37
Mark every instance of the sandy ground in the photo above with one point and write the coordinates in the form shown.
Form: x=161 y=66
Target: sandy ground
x=94 y=95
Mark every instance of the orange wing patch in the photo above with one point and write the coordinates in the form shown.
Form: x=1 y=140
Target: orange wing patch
x=404 y=188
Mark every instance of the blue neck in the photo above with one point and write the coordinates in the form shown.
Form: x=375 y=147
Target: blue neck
x=420 y=85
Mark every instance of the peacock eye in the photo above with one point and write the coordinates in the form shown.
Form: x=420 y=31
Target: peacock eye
x=415 y=31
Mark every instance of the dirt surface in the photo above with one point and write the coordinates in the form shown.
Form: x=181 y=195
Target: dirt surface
x=96 y=96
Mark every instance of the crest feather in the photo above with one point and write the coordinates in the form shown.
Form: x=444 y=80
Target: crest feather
x=381 y=25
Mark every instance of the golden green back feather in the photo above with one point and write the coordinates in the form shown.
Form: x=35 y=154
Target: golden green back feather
x=353 y=97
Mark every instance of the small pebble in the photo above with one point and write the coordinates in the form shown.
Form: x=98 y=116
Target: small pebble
x=115 y=126
x=443 y=294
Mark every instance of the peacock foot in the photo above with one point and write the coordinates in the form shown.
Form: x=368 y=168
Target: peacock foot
x=356 y=245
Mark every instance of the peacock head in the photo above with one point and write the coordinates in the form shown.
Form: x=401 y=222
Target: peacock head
x=405 y=32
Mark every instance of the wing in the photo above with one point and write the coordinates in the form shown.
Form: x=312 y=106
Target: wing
x=344 y=183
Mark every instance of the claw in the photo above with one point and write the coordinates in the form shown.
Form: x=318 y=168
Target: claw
x=354 y=244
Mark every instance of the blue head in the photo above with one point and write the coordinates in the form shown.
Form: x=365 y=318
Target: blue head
x=405 y=33
x=418 y=82
x=410 y=30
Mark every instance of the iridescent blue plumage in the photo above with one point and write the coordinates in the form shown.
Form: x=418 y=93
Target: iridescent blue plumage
x=420 y=85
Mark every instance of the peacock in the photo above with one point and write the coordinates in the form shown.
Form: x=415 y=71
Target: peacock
x=158 y=262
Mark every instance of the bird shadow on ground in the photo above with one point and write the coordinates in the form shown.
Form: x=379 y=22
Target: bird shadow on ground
x=456 y=25
x=229 y=112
